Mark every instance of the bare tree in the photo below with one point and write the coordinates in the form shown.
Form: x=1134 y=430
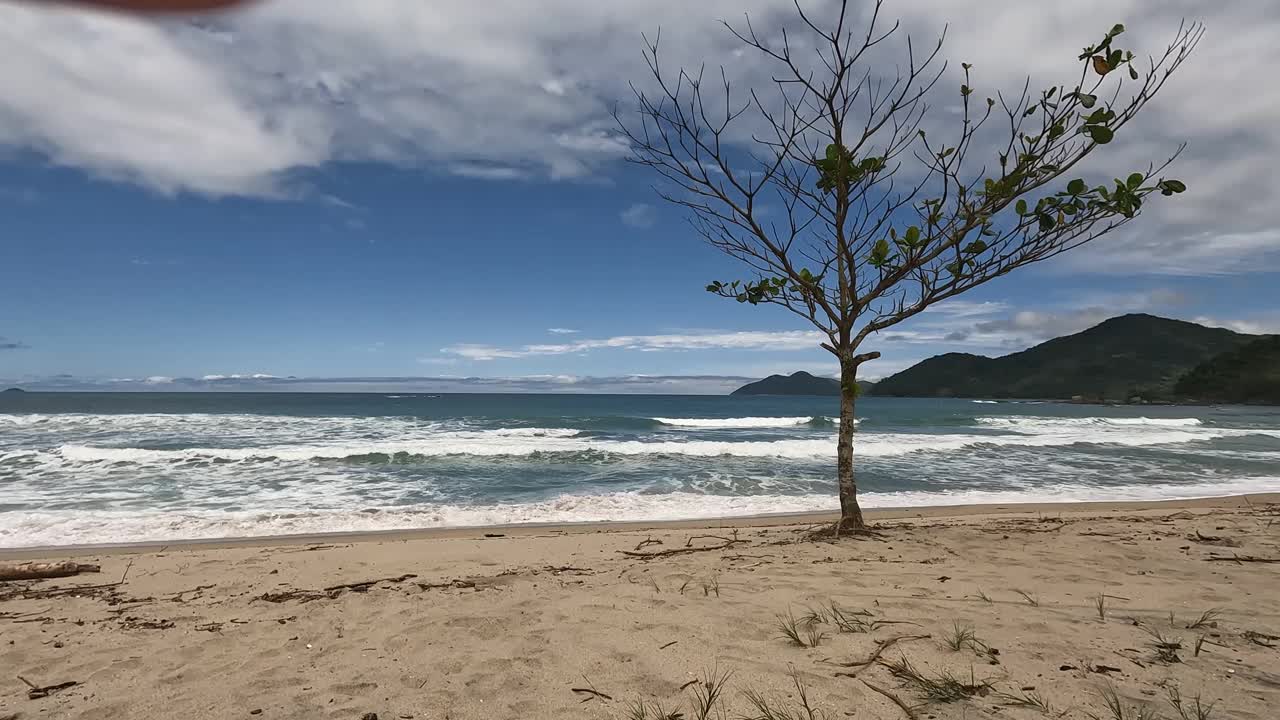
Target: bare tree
x=880 y=219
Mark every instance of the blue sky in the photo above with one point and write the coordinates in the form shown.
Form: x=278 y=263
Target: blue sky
x=152 y=239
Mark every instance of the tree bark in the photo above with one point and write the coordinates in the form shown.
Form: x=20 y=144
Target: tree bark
x=850 y=512
x=39 y=571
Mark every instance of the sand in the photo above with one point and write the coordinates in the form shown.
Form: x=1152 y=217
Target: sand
x=473 y=626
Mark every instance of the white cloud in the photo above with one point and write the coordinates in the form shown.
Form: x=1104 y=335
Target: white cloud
x=505 y=90
x=639 y=215
x=563 y=331
x=633 y=384
x=742 y=340
x=1264 y=326
x=236 y=376
x=159 y=380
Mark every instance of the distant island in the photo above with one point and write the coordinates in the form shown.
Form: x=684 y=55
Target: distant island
x=1131 y=358
x=13 y=390
x=798 y=383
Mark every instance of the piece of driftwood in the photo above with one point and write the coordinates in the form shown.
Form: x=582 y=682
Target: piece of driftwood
x=881 y=646
x=35 y=692
x=41 y=570
x=902 y=704
x=1241 y=559
x=679 y=551
x=364 y=585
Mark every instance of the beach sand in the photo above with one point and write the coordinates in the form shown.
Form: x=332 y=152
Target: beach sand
x=527 y=622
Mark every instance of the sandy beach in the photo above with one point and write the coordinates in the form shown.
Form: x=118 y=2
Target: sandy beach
x=997 y=605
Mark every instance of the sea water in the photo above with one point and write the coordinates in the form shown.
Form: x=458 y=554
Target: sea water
x=110 y=468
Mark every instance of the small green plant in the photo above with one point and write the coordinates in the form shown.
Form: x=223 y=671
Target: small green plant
x=814 y=616
x=1194 y=709
x=640 y=710
x=1100 y=603
x=708 y=693
x=1208 y=619
x=942 y=687
x=764 y=708
x=1031 y=599
x=983 y=596
x=1027 y=699
x=1166 y=646
x=800 y=633
x=711 y=586
x=1118 y=710
x=960 y=637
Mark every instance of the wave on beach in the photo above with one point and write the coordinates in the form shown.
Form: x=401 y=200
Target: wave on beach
x=120 y=477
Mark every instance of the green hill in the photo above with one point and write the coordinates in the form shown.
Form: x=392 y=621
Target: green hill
x=1130 y=355
x=800 y=383
x=1249 y=374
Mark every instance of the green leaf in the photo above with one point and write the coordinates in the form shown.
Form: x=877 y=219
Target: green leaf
x=1119 y=28
x=1075 y=187
x=913 y=235
x=975 y=247
x=1021 y=207
x=965 y=90
x=1133 y=72
x=1047 y=222
x=1135 y=181
x=1171 y=187
x=1100 y=134
x=1086 y=100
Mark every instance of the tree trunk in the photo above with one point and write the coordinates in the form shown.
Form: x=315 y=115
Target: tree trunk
x=850 y=511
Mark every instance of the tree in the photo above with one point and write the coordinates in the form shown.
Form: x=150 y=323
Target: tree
x=874 y=214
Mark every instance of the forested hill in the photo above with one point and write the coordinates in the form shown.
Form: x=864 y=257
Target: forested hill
x=1131 y=355
x=1249 y=374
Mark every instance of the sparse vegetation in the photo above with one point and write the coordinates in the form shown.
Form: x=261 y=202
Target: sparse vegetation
x=1193 y=709
x=804 y=632
x=1166 y=646
x=707 y=694
x=765 y=708
x=1100 y=603
x=983 y=596
x=940 y=687
x=1031 y=599
x=1028 y=699
x=1117 y=709
x=1208 y=618
x=960 y=637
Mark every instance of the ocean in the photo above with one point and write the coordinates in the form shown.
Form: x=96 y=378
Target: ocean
x=82 y=468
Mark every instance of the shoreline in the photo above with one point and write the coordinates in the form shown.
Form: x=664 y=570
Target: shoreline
x=932 y=512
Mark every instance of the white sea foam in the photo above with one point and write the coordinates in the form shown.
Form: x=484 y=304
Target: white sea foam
x=66 y=527
x=743 y=422
x=1015 y=421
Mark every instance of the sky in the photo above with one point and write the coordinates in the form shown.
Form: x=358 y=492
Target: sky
x=394 y=194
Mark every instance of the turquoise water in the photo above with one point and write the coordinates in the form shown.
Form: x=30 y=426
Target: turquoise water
x=92 y=468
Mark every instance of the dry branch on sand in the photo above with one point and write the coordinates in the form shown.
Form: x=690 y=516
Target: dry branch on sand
x=42 y=570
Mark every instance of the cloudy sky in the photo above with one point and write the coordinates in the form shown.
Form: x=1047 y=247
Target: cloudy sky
x=396 y=189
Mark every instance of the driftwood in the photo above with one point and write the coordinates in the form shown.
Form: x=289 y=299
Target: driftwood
x=902 y=704
x=41 y=571
x=364 y=585
x=35 y=692
x=680 y=551
x=1240 y=559
x=881 y=646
